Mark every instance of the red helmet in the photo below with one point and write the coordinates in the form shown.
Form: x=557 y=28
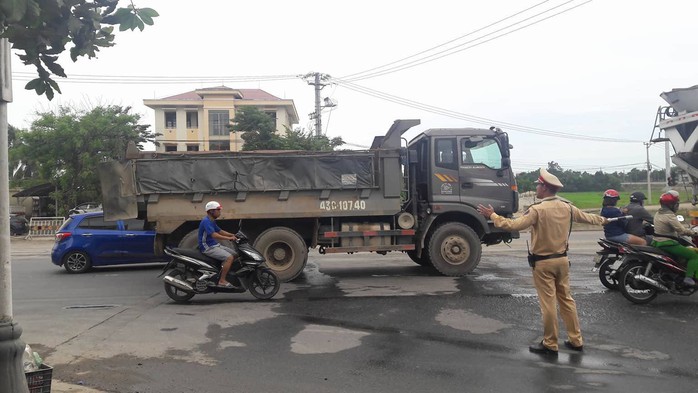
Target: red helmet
x=669 y=198
x=611 y=193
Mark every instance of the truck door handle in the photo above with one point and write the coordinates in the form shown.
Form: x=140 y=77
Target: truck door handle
x=130 y=234
x=466 y=185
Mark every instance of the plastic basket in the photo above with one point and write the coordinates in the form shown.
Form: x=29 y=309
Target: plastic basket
x=39 y=381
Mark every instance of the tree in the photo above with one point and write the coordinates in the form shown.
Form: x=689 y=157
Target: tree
x=299 y=139
x=67 y=146
x=42 y=28
x=260 y=134
x=258 y=128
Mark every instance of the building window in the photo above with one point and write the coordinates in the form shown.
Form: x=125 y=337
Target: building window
x=192 y=120
x=271 y=114
x=170 y=147
x=218 y=123
x=219 y=145
x=170 y=119
x=192 y=147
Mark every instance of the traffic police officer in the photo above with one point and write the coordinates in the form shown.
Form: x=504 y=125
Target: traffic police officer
x=551 y=222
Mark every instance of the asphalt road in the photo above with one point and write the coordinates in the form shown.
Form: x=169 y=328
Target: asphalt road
x=351 y=323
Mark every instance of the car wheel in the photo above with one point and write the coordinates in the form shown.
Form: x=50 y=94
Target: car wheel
x=77 y=262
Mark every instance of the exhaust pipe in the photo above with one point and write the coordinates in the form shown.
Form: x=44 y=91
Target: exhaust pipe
x=183 y=285
x=651 y=282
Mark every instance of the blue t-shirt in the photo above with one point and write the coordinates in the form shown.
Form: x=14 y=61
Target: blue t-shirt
x=206 y=230
x=614 y=228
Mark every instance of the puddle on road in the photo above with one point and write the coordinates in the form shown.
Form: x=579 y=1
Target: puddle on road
x=471 y=322
x=316 y=339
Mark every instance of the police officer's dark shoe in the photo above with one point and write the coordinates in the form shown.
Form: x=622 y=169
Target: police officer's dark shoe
x=569 y=345
x=542 y=350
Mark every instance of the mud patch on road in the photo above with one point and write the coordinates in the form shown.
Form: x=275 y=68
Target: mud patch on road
x=471 y=322
x=399 y=286
x=316 y=339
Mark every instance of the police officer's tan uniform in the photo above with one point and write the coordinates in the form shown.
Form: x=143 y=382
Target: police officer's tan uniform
x=550 y=220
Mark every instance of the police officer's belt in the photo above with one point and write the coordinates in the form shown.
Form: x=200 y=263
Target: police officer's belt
x=536 y=258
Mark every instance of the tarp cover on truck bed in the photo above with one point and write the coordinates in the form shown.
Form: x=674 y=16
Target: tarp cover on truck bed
x=269 y=173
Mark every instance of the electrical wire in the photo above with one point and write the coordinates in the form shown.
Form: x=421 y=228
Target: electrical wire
x=152 y=79
x=471 y=118
x=443 y=44
x=451 y=51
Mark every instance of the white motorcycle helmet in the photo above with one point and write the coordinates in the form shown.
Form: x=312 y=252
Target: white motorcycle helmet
x=213 y=205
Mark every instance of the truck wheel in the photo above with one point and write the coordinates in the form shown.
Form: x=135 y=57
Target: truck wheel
x=454 y=249
x=285 y=251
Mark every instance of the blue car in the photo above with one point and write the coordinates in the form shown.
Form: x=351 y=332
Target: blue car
x=86 y=240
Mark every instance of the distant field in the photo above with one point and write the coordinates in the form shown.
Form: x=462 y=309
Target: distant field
x=592 y=199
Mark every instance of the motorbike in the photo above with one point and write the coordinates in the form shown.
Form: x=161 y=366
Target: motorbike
x=607 y=262
x=193 y=273
x=648 y=271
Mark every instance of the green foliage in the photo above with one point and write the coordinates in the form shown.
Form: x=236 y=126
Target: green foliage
x=65 y=148
x=260 y=134
x=299 y=139
x=258 y=128
x=41 y=29
x=593 y=199
x=583 y=181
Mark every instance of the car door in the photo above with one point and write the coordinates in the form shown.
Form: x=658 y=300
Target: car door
x=137 y=242
x=100 y=239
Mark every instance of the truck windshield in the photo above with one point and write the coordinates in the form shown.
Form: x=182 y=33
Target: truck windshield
x=485 y=152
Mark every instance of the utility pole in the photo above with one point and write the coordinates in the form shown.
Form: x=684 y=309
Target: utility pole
x=319 y=81
x=11 y=347
x=649 y=170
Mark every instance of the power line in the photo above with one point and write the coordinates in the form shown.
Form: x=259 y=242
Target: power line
x=452 y=50
x=471 y=118
x=443 y=44
x=154 y=79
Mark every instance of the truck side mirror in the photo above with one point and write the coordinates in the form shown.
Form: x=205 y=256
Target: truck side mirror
x=506 y=162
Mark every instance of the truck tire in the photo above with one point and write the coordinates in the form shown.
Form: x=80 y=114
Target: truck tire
x=454 y=249
x=285 y=251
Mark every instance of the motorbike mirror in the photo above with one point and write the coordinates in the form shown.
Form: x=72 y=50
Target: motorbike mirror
x=680 y=218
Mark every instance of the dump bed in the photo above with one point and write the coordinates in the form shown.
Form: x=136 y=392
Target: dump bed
x=280 y=184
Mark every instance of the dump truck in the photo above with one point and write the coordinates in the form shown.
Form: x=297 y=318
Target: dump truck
x=419 y=198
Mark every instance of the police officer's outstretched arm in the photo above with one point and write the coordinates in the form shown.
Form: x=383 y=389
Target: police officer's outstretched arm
x=580 y=216
x=509 y=224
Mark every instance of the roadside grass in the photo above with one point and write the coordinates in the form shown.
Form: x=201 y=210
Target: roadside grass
x=593 y=199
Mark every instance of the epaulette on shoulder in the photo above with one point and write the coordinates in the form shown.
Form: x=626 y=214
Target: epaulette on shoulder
x=565 y=200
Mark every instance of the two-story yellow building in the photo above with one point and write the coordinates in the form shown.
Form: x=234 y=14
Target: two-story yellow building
x=199 y=120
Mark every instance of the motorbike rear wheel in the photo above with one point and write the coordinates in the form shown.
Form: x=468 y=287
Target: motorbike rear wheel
x=607 y=276
x=175 y=293
x=264 y=284
x=636 y=291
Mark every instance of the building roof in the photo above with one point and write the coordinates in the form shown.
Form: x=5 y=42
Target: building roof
x=247 y=94
x=40 y=190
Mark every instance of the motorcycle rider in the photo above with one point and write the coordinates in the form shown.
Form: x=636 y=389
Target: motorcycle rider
x=667 y=228
x=615 y=231
x=209 y=234
x=636 y=208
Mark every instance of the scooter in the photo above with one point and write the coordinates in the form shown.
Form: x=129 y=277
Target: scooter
x=193 y=273
x=608 y=260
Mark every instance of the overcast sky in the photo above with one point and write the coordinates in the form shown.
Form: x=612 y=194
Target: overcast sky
x=593 y=72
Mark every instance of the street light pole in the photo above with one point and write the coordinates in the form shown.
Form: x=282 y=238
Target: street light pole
x=12 y=377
